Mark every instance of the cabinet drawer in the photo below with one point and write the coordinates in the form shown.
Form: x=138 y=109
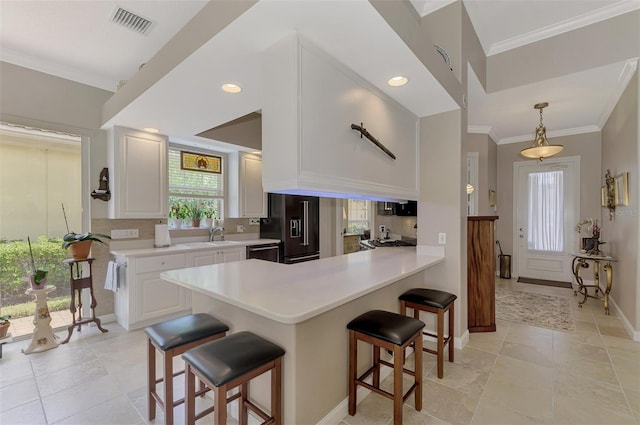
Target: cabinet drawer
x=164 y=262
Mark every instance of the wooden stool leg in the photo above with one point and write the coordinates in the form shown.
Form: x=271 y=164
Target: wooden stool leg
x=189 y=396
x=418 y=373
x=451 y=333
x=376 y=365
x=397 y=385
x=440 y=349
x=244 y=397
x=353 y=356
x=151 y=380
x=220 y=400
x=168 y=387
x=276 y=392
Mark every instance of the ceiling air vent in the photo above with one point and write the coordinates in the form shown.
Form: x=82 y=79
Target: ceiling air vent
x=131 y=21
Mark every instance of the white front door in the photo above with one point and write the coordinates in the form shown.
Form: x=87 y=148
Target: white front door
x=547 y=207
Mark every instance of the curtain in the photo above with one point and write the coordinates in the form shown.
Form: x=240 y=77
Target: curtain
x=546 y=212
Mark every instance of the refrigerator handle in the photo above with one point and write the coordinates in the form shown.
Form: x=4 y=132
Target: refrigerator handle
x=305 y=218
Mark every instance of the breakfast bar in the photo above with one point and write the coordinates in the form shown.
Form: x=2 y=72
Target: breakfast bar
x=305 y=308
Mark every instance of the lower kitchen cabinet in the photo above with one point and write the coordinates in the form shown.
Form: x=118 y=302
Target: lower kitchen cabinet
x=144 y=298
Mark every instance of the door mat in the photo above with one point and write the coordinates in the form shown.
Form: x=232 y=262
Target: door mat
x=545 y=282
x=545 y=311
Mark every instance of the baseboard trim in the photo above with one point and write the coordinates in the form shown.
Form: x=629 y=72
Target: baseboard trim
x=108 y=318
x=633 y=334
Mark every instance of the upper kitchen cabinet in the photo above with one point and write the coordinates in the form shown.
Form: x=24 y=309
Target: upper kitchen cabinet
x=310 y=102
x=246 y=198
x=138 y=172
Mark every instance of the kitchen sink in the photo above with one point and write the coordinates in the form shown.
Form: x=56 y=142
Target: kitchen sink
x=207 y=243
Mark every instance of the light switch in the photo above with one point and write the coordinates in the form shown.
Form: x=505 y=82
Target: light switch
x=442 y=238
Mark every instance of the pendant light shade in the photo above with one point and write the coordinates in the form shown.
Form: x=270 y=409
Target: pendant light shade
x=541 y=148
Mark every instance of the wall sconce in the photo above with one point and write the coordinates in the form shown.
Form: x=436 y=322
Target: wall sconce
x=610 y=194
x=470 y=188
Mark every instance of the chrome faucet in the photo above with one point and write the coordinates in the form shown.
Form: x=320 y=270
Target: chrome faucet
x=213 y=231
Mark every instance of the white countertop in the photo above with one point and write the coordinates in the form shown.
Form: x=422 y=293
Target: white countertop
x=189 y=246
x=297 y=292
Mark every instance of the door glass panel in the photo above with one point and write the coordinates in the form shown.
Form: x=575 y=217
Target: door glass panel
x=546 y=211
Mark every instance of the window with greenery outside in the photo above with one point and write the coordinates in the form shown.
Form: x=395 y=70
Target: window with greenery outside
x=358 y=216
x=189 y=190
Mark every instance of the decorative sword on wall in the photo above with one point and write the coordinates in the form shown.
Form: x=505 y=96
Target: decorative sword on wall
x=363 y=132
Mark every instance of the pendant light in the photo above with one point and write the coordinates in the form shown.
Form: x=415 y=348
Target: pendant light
x=541 y=148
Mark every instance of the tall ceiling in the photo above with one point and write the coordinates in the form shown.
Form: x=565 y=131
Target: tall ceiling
x=76 y=40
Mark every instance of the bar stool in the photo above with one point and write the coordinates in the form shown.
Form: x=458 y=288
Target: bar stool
x=432 y=301
x=229 y=363
x=390 y=331
x=172 y=338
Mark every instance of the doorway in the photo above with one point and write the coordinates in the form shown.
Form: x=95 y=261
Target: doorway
x=547 y=203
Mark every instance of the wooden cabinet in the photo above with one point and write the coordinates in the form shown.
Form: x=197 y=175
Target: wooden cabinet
x=350 y=243
x=138 y=173
x=481 y=274
x=246 y=198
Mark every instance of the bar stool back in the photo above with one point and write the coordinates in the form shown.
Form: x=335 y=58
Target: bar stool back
x=390 y=331
x=232 y=362
x=437 y=302
x=172 y=338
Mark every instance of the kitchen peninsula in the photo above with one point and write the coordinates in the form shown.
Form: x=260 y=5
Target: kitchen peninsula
x=305 y=308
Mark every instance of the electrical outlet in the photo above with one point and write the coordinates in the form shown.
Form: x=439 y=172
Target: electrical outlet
x=240 y=228
x=254 y=221
x=442 y=238
x=124 y=234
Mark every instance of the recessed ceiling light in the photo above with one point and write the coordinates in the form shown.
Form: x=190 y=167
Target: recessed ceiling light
x=231 y=88
x=151 y=130
x=398 y=81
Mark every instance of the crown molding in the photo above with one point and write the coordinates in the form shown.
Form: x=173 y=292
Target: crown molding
x=607 y=12
x=425 y=7
x=551 y=134
x=483 y=129
x=623 y=80
x=56 y=69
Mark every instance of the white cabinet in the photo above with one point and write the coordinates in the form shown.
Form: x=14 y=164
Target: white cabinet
x=310 y=102
x=246 y=198
x=144 y=298
x=216 y=256
x=138 y=173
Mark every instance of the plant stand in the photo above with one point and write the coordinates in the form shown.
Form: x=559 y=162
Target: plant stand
x=77 y=284
x=43 y=337
x=5 y=340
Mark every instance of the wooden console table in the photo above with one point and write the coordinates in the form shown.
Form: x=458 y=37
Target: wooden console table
x=481 y=274
x=581 y=261
x=43 y=338
x=77 y=284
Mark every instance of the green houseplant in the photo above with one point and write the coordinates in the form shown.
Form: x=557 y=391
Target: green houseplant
x=79 y=244
x=37 y=277
x=4 y=325
x=196 y=211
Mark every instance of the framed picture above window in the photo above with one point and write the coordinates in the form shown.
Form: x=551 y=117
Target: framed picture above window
x=193 y=161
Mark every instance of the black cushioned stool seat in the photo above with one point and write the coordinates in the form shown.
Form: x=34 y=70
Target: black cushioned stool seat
x=172 y=338
x=231 y=362
x=437 y=302
x=393 y=332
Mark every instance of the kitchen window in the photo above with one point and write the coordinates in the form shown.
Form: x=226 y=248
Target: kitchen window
x=358 y=215
x=189 y=187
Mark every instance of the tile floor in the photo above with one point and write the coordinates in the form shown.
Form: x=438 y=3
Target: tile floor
x=517 y=375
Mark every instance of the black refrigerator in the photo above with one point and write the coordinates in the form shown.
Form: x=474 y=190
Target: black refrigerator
x=295 y=220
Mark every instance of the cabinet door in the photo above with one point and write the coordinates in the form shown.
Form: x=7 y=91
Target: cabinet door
x=204 y=258
x=157 y=298
x=246 y=197
x=233 y=254
x=139 y=175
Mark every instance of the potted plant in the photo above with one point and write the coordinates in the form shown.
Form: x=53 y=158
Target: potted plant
x=208 y=214
x=79 y=244
x=4 y=325
x=37 y=278
x=196 y=211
